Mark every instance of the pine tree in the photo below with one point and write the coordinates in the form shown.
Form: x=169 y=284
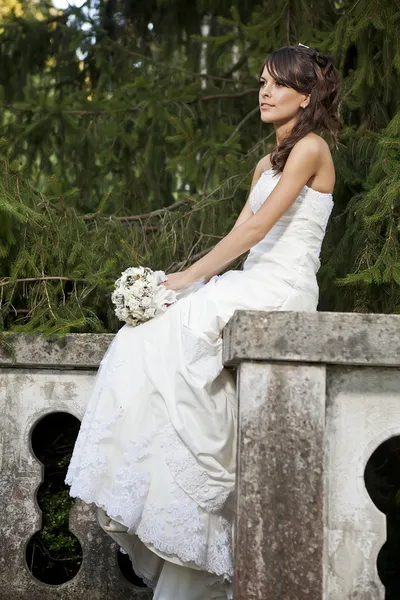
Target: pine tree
x=138 y=128
x=362 y=261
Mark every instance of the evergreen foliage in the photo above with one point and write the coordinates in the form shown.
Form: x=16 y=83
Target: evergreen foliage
x=362 y=266
x=135 y=144
x=58 y=266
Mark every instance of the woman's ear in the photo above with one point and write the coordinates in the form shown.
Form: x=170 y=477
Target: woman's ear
x=306 y=101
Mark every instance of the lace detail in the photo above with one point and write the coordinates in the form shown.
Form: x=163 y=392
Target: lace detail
x=131 y=483
x=220 y=551
x=151 y=583
x=164 y=517
x=189 y=475
x=92 y=432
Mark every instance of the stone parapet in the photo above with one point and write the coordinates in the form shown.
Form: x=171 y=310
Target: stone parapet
x=316 y=337
x=318 y=393
x=73 y=351
x=49 y=376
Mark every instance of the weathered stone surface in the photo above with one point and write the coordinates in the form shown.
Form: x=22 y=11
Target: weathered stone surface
x=26 y=396
x=294 y=542
x=363 y=411
x=74 y=351
x=279 y=539
x=321 y=337
x=291 y=494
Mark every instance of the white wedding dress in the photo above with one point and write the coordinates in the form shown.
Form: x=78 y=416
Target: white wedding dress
x=156 y=448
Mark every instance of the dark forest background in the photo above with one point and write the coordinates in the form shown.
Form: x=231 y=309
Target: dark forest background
x=129 y=132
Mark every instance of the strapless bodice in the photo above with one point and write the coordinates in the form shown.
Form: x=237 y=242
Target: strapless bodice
x=295 y=240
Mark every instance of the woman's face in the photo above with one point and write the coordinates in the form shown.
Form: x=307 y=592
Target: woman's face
x=278 y=103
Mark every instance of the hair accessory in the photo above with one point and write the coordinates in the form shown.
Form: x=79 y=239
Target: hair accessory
x=304 y=46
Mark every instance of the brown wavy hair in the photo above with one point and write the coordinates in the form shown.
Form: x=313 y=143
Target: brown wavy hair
x=308 y=71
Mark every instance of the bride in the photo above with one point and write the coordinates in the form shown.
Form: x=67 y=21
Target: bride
x=156 y=448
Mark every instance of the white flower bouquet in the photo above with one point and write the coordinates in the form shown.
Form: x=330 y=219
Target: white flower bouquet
x=138 y=295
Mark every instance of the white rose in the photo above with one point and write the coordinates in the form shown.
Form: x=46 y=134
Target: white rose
x=132 y=303
x=136 y=313
x=146 y=302
x=139 y=285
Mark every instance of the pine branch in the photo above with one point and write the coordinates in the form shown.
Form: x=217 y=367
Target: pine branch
x=131 y=218
x=242 y=122
x=239 y=63
x=8 y=280
x=76 y=112
x=116 y=111
x=165 y=66
x=219 y=96
x=191 y=259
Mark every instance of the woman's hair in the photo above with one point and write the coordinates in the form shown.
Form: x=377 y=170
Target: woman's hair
x=308 y=71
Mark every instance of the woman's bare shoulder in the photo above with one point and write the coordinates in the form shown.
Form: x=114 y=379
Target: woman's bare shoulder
x=315 y=142
x=324 y=177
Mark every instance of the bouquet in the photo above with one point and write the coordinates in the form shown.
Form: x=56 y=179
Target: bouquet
x=138 y=295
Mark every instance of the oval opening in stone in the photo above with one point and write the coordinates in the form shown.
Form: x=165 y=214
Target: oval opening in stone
x=382 y=481
x=54 y=554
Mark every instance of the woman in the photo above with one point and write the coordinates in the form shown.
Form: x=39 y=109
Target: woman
x=156 y=449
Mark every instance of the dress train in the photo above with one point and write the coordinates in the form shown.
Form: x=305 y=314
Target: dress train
x=174 y=582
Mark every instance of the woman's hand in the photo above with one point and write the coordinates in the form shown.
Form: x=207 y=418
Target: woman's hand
x=177 y=281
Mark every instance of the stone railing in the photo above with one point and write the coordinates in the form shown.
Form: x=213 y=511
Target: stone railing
x=318 y=394
x=49 y=376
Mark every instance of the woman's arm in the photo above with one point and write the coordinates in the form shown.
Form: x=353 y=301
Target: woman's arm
x=246 y=211
x=301 y=164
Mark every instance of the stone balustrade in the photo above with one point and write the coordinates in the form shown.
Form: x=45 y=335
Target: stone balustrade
x=318 y=394
x=47 y=376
